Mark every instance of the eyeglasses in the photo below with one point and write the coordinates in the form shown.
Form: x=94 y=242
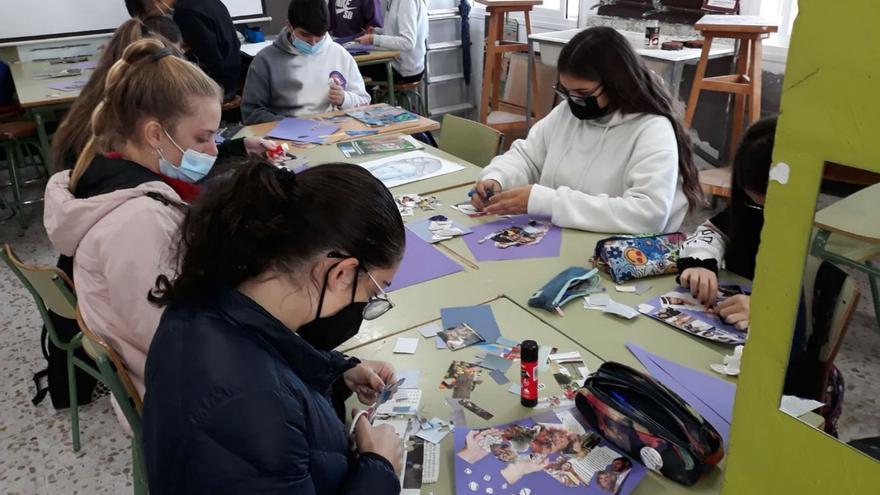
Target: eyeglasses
x=580 y=101
x=378 y=304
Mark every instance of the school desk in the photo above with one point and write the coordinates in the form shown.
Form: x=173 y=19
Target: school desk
x=423 y=124
x=517 y=324
x=39 y=100
x=849 y=234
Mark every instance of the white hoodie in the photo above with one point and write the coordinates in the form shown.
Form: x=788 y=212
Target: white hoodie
x=405 y=30
x=618 y=174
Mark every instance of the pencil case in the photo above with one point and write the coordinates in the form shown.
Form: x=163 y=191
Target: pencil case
x=569 y=284
x=631 y=257
x=649 y=422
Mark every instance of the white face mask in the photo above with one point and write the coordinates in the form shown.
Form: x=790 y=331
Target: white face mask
x=194 y=166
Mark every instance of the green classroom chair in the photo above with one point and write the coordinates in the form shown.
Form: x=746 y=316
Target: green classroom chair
x=115 y=376
x=18 y=141
x=469 y=140
x=52 y=291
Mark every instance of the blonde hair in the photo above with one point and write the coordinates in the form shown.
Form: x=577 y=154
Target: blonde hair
x=148 y=81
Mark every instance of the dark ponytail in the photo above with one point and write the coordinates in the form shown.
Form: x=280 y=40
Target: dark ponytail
x=265 y=218
x=602 y=54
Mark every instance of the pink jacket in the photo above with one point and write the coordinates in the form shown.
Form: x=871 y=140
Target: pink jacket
x=120 y=242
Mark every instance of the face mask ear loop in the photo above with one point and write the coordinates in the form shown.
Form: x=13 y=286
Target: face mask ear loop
x=323 y=291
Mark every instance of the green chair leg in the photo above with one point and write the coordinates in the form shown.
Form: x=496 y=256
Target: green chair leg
x=74 y=400
x=139 y=471
x=875 y=291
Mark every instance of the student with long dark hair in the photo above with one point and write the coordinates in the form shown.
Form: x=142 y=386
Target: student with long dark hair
x=237 y=395
x=614 y=157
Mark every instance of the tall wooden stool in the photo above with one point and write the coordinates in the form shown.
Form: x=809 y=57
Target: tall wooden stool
x=746 y=82
x=496 y=46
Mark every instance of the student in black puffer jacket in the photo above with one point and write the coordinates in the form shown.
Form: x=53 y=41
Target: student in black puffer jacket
x=274 y=270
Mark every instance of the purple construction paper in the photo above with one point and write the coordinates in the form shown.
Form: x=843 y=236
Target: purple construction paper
x=711 y=397
x=88 y=64
x=74 y=85
x=721 y=332
x=547 y=248
x=302 y=130
x=538 y=483
x=358 y=48
x=421 y=262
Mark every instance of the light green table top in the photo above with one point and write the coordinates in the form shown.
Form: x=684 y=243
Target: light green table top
x=517 y=324
x=854 y=216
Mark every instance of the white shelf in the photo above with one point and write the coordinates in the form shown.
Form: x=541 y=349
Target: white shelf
x=444 y=45
x=445 y=77
x=442 y=12
x=443 y=17
x=461 y=107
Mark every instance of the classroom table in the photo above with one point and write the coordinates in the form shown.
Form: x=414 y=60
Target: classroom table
x=38 y=99
x=423 y=124
x=518 y=324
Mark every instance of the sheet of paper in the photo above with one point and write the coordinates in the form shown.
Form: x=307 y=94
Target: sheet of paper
x=543 y=357
x=409 y=167
x=430 y=329
x=499 y=377
x=302 y=130
x=406 y=345
x=797 y=407
x=516 y=388
x=710 y=396
x=421 y=262
x=480 y=318
x=252 y=49
x=434 y=431
x=410 y=378
x=440 y=343
x=422 y=228
x=621 y=310
x=549 y=246
x=506 y=342
x=405 y=401
x=497 y=363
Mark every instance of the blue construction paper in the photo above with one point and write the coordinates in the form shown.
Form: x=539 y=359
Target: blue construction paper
x=480 y=318
x=494 y=362
x=507 y=342
x=410 y=378
x=440 y=343
x=499 y=377
x=421 y=229
x=302 y=130
x=710 y=396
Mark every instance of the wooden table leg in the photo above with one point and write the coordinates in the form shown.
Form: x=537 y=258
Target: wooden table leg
x=698 y=79
x=755 y=72
x=739 y=102
x=536 y=94
x=498 y=62
x=487 y=67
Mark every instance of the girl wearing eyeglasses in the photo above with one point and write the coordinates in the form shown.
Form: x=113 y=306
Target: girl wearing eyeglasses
x=274 y=271
x=614 y=157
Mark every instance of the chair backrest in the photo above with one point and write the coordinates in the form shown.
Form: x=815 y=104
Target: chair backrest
x=50 y=287
x=114 y=374
x=471 y=141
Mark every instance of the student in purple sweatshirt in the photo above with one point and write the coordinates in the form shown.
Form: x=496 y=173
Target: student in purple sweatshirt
x=354 y=17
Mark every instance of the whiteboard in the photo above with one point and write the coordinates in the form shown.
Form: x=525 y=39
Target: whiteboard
x=22 y=20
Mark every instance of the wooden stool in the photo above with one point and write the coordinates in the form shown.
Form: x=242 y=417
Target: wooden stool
x=495 y=47
x=409 y=96
x=716 y=181
x=746 y=83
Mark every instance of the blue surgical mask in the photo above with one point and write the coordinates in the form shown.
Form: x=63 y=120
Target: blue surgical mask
x=303 y=47
x=194 y=166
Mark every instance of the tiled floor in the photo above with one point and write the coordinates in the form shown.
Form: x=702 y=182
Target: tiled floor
x=36 y=455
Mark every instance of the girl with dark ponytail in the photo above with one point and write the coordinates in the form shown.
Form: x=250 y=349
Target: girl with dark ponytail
x=613 y=157
x=274 y=270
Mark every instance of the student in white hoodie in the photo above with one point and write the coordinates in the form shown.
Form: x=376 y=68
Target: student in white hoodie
x=614 y=157
x=406 y=31
x=304 y=72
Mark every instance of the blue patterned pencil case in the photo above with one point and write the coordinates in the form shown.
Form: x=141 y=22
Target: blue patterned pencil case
x=631 y=257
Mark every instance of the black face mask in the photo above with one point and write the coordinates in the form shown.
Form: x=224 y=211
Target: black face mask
x=329 y=333
x=589 y=111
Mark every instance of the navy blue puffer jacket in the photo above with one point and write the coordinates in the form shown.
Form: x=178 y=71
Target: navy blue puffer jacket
x=237 y=403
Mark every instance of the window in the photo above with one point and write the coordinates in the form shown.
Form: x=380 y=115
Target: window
x=786 y=10
x=566 y=9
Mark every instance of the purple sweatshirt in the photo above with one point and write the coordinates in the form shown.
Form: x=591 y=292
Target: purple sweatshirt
x=352 y=17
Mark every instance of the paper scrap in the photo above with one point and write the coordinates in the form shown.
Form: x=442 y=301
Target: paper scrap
x=516 y=388
x=441 y=344
x=406 y=345
x=554 y=401
x=430 y=329
x=797 y=407
x=434 y=431
x=565 y=356
x=410 y=378
x=493 y=362
x=499 y=377
x=506 y=342
x=780 y=173
x=544 y=353
x=625 y=288
x=621 y=310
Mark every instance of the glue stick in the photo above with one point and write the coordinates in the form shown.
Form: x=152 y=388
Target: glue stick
x=528 y=394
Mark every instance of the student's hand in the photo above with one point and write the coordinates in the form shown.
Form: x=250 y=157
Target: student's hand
x=479 y=200
x=366 y=39
x=337 y=95
x=512 y=202
x=735 y=311
x=384 y=369
x=703 y=284
x=381 y=440
x=258 y=146
x=365 y=382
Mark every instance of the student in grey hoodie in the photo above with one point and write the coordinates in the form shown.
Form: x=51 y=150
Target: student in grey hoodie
x=304 y=72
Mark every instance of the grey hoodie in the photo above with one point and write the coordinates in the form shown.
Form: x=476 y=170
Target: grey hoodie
x=282 y=82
